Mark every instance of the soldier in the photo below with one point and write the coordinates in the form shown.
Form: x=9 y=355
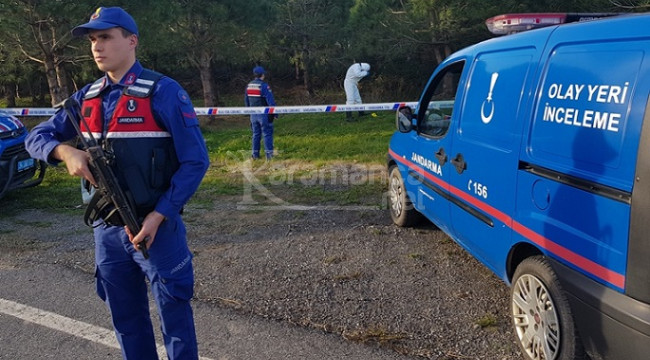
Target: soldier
x=258 y=93
x=148 y=122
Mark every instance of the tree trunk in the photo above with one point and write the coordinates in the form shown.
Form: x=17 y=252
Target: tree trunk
x=438 y=54
x=306 y=69
x=447 y=50
x=205 y=69
x=10 y=91
x=63 y=80
x=296 y=66
x=52 y=77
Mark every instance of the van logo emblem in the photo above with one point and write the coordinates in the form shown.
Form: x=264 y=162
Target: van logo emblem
x=487 y=118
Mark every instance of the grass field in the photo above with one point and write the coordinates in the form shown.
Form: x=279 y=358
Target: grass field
x=321 y=159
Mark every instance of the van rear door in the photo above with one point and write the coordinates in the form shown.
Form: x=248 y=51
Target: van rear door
x=579 y=162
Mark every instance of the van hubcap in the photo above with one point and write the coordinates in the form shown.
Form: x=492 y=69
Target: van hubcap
x=396 y=195
x=535 y=319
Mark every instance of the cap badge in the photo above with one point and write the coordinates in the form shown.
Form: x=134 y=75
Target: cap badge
x=96 y=14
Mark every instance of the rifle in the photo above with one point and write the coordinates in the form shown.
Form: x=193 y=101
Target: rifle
x=98 y=163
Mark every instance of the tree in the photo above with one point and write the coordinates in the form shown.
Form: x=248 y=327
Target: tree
x=381 y=30
x=9 y=73
x=558 y=6
x=40 y=30
x=205 y=31
x=420 y=33
x=210 y=42
x=310 y=33
x=452 y=24
x=628 y=5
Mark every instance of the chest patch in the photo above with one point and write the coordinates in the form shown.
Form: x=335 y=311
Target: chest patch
x=131 y=105
x=130 y=120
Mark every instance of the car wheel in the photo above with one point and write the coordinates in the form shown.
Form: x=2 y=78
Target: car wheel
x=541 y=314
x=401 y=209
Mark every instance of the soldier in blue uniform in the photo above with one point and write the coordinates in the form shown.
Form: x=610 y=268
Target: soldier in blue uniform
x=149 y=123
x=258 y=93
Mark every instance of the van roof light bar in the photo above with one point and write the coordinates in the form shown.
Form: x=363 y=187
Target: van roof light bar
x=513 y=23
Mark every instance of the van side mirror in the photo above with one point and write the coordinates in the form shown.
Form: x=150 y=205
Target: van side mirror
x=404 y=119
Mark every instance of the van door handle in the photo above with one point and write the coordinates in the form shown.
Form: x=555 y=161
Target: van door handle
x=441 y=156
x=459 y=163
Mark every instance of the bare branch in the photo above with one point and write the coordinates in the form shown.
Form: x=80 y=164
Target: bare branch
x=629 y=5
x=30 y=57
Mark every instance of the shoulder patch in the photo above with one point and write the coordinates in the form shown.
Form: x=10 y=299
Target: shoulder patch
x=183 y=97
x=130 y=79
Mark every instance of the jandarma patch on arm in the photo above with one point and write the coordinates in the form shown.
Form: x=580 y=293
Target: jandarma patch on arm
x=183 y=97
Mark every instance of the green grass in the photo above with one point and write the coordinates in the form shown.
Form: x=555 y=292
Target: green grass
x=314 y=138
x=58 y=191
x=24 y=101
x=487 y=320
x=308 y=146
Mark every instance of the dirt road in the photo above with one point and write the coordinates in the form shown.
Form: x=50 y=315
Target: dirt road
x=346 y=271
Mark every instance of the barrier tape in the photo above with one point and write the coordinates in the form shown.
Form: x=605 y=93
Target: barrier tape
x=216 y=111
x=301 y=109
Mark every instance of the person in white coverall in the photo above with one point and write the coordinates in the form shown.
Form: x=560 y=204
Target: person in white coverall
x=356 y=72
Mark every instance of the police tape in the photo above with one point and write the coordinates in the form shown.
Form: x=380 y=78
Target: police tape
x=301 y=109
x=219 y=111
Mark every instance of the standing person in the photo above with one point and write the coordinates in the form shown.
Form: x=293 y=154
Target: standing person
x=258 y=93
x=148 y=122
x=356 y=72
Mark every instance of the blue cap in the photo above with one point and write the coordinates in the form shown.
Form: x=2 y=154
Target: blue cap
x=105 y=18
x=258 y=70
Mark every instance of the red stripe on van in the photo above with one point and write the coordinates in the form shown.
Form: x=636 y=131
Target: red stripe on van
x=581 y=262
x=501 y=216
x=417 y=169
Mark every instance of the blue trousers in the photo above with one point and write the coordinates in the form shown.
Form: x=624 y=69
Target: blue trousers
x=261 y=126
x=120 y=274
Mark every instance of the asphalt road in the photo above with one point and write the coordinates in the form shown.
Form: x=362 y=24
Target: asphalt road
x=48 y=311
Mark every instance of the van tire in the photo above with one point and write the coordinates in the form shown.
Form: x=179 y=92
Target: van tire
x=535 y=284
x=401 y=208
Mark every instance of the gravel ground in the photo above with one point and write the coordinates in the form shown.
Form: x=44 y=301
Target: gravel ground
x=347 y=271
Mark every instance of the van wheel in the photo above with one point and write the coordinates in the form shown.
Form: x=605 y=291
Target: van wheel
x=541 y=315
x=401 y=209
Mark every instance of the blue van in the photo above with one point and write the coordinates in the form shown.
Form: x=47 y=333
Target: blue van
x=17 y=168
x=532 y=151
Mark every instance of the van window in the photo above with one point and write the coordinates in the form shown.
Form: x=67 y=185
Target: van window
x=435 y=117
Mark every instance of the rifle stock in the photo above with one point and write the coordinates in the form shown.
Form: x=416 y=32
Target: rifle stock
x=107 y=183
